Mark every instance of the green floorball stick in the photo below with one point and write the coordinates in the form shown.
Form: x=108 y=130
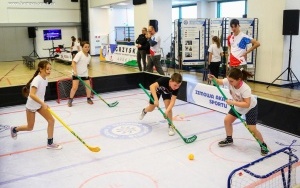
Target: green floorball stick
x=108 y=104
x=186 y=140
x=238 y=115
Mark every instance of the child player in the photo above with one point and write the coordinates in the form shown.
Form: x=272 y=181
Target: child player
x=244 y=103
x=35 y=92
x=168 y=89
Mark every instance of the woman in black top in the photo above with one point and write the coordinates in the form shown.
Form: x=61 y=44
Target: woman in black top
x=142 y=42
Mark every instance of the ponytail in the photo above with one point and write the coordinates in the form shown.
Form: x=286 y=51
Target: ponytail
x=246 y=74
x=26 y=88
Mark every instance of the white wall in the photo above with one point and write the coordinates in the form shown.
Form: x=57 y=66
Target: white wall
x=269 y=62
x=295 y=60
x=99 y=25
x=206 y=9
x=33 y=11
x=104 y=21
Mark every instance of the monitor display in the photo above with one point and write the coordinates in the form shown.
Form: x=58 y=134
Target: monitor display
x=52 y=34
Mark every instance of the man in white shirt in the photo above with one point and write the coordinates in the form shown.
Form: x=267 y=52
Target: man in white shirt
x=237 y=45
x=154 y=58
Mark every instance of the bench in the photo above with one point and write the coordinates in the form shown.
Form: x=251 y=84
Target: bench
x=29 y=62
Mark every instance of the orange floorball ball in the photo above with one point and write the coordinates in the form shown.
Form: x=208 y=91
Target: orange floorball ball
x=191 y=157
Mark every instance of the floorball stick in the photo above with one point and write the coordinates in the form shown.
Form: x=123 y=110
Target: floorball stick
x=186 y=140
x=93 y=149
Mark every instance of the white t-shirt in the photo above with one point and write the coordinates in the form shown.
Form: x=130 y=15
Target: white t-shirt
x=216 y=57
x=238 y=46
x=82 y=61
x=40 y=83
x=239 y=94
x=76 y=46
x=156 y=48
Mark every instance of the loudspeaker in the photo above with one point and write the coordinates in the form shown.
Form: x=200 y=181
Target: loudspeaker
x=154 y=23
x=76 y=1
x=138 y=2
x=290 y=22
x=48 y=1
x=31 y=32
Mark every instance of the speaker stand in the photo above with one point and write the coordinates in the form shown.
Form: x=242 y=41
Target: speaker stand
x=289 y=69
x=33 y=53
x=52 y=54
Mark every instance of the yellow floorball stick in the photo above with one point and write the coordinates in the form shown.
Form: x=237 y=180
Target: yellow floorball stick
x=93 y=149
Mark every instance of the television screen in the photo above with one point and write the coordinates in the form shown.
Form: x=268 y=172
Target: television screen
x=52 y=34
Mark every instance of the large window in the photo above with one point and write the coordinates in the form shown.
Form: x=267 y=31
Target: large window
x=233 y=9
x=189 y=12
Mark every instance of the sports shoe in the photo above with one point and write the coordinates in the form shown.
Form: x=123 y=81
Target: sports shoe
x=89 y=100
x=54 y=146
x=12 y=133
x=70 y=102
x=263 y=151
x=171 y=131
x=225 y=142
x=143 y=114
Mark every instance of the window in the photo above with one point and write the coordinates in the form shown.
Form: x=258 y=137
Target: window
x=189 y=11
x=232 y=9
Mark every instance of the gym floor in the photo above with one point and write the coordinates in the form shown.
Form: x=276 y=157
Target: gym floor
x=134 y=153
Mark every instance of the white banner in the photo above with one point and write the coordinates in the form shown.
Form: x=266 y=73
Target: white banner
x=208 y=96
x=65 y=56
x=124 y=54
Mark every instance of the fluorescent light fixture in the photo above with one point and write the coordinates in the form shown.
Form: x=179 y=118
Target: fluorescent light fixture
x=105 y=7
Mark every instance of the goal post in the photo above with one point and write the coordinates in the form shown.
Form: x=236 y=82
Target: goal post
x=277 y=169
x=64 y=86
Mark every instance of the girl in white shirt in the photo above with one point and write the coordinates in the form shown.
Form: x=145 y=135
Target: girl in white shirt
x=214 y=59
x=244 y=103
x=75 y=47
x=35 y=103
x=80 y=69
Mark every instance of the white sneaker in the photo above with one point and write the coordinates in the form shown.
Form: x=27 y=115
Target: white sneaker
x=143 y=114
x=171 y=131
x=54 y=146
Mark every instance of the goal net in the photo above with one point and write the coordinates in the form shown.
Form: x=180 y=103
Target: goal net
x=275 y=170
x=64 y=86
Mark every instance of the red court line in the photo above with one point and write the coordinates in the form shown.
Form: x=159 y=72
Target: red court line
x=200 y=113
x=43 y=147
x=8 y=81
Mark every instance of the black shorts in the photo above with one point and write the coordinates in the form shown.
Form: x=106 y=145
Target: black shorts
x=74 y=52
x=164 y=96
x=82 y=78
x=251 y=116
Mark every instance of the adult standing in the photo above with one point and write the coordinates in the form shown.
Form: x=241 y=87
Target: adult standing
x=155 y=52
x=237 y=44
x=141 y=42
